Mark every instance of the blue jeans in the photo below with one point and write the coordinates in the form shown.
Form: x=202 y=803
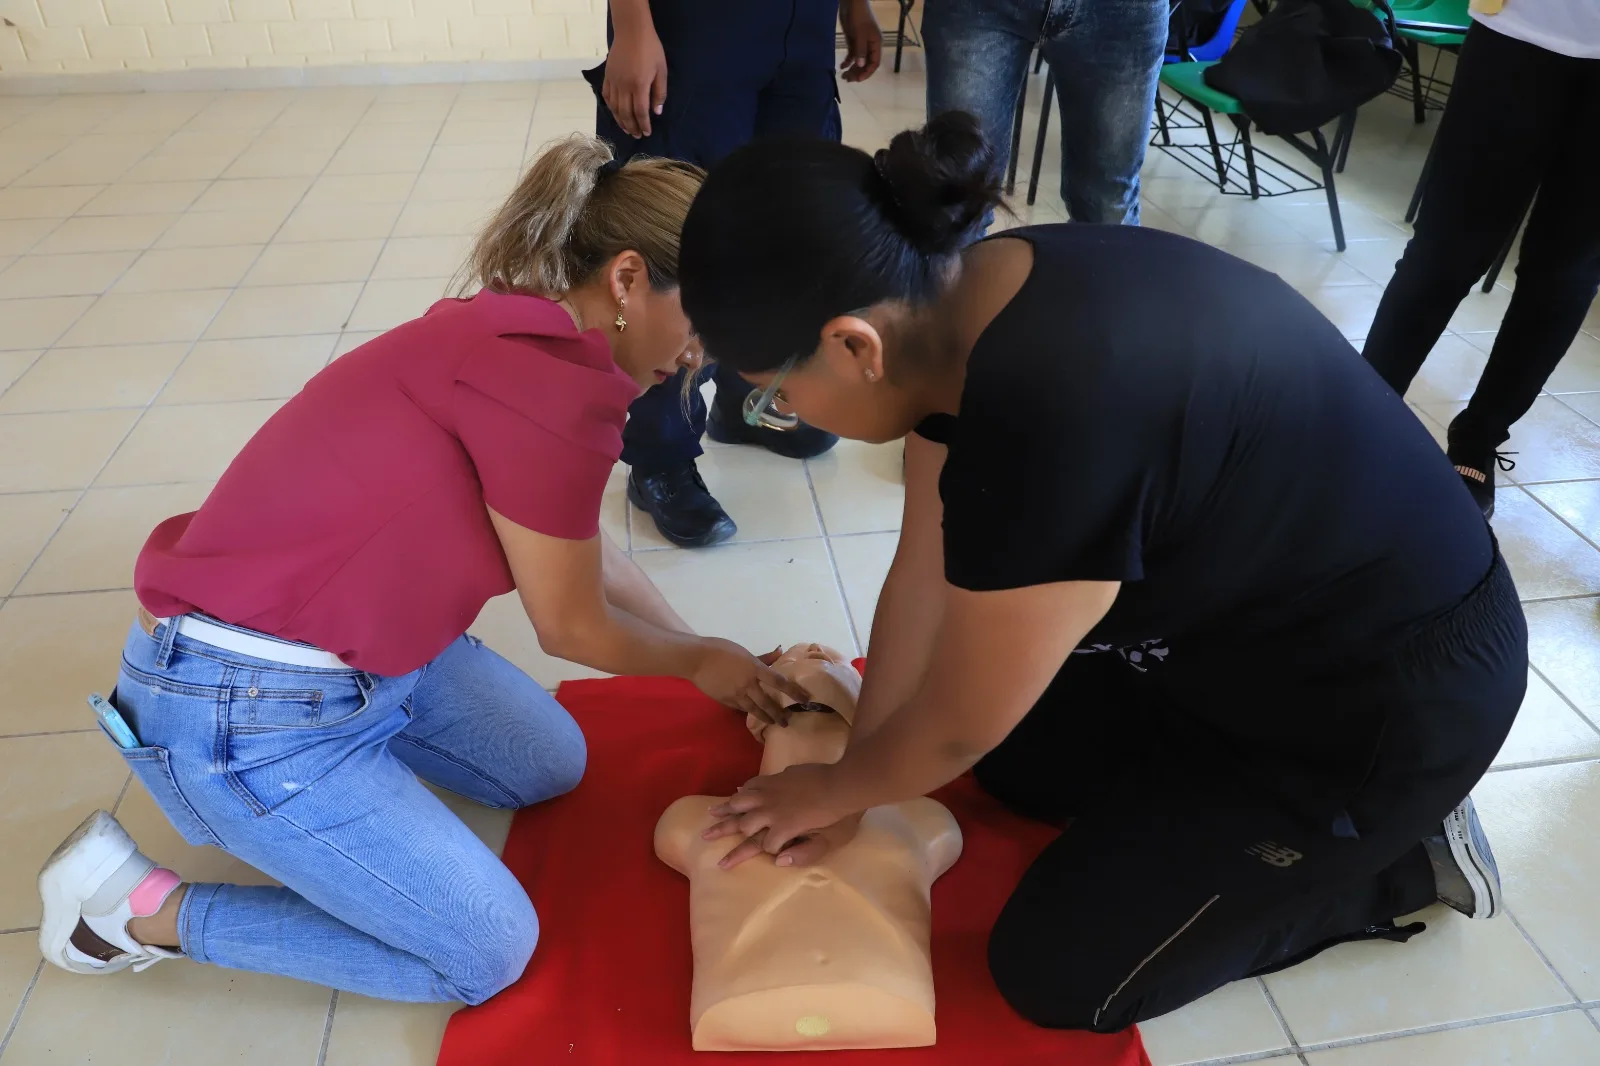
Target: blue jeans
x=311 y=776
x=1105 y=55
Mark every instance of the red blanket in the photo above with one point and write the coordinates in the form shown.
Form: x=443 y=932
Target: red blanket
x=609 y=983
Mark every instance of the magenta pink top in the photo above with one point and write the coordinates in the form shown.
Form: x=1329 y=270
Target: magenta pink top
x=355 y=518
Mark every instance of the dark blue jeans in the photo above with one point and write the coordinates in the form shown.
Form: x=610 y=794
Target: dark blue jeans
x=735 y=72
x=1105 y=55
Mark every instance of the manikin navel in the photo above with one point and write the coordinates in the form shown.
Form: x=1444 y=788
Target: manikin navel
x=827 y=957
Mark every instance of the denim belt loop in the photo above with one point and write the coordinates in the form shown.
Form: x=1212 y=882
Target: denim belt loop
x=167 y=633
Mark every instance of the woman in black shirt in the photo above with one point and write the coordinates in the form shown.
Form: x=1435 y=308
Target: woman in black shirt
x=1176 y=565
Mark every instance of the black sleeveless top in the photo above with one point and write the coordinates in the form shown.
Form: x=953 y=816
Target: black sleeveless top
x=1151 y=410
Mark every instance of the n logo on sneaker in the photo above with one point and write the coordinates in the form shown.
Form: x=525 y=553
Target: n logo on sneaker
x=94 y=945
x=1274 y=854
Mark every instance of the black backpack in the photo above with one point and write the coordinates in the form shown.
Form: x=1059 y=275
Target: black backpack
x=1307 y=62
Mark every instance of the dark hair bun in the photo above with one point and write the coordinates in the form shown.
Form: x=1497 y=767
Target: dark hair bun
x=942 y=179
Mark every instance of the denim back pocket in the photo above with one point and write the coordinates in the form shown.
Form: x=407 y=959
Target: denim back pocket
x=153 y=768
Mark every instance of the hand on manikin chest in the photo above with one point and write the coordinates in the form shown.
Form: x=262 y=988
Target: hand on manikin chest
x=831 y=956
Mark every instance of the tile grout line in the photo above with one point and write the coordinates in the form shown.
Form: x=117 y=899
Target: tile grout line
x=1577 y=1000
x=16 y=1017
x=1443 y=1027
x=31 y=364
x=189 y=351
x=389 y=236
x=46 y=733
x=67 y=514
x=1244 y=1057
x=833 y=562
x=1557 y=514
x=141 y=251
x=211 y=288
x=1563 y=696
x=1283 y=1022
x=327 y=1028
x=127 y=782
x=1555 y=760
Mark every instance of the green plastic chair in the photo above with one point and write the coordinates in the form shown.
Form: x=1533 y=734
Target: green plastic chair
x=1188 y=80
x=1440 y=23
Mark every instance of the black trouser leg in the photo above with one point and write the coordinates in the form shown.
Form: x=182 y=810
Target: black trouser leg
x=1509 y=114
x=1558 y=274
x=1182 y=872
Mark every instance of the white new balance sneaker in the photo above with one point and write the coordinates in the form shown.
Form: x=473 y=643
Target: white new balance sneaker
x=94 y=884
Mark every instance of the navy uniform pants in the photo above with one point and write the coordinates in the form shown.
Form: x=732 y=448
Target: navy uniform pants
x=736 y=71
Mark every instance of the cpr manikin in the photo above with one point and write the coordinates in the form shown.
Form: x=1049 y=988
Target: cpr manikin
x=826 y=957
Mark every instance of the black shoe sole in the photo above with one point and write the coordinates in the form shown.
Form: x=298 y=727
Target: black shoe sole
x=720 y=530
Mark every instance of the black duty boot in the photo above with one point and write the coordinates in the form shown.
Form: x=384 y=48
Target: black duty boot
x=683 y=509
x=725 y=424
x=1475 y=463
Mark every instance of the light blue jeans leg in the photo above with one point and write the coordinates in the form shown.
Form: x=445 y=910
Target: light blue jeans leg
x=296 y=772
x=485 y=730
x=1106 y=63
x=977 y=54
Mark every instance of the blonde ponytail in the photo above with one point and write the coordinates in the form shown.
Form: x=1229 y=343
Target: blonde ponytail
x=571 y=214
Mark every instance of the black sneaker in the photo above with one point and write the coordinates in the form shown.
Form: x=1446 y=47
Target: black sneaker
x=1464 y=869
x=1476 y=467
x=726 y=425
x=683 y=509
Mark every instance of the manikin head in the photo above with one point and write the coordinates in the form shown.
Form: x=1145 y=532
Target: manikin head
x=818 y=729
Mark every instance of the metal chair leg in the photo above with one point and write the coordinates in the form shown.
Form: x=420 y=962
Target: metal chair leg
x=900 y=34
x=1216 y=149
x=1016 y=138
x=1249 y=156
x=1038 y=62
x=1038 y=144
x=1346 y=133
x=1422 y=181
x=1413 y=58
x=1161 y=119
x=1325 y=159
x=1499 y=263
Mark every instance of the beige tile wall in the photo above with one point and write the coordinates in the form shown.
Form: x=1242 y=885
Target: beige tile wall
x=101 y=36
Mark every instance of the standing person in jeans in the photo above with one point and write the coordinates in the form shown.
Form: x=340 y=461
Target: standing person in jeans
x=1520 y=120
x=693 y=80
x=299 y=664
x=1105 y=55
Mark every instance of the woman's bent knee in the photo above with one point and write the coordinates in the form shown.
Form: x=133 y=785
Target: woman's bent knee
x=494 y=954
x=1028 y=982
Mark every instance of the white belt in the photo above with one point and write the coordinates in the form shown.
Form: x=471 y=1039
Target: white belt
x=257 y=647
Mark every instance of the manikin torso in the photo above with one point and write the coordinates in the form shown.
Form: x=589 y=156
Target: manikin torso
x=827 y=957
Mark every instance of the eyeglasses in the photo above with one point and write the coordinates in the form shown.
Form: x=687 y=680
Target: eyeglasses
x=758 y=405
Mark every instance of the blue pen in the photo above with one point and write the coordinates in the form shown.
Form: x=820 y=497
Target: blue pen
x=112 y=721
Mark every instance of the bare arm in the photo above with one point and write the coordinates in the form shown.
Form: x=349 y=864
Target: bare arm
x=995 y=654
x=628 y=589
x=635 y=88
x=562 y=587
x=911 y=604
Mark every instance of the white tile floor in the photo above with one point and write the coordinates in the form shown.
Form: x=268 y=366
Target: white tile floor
x=173 y=266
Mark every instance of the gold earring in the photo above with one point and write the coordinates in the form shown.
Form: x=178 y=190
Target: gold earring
x=621 y=323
